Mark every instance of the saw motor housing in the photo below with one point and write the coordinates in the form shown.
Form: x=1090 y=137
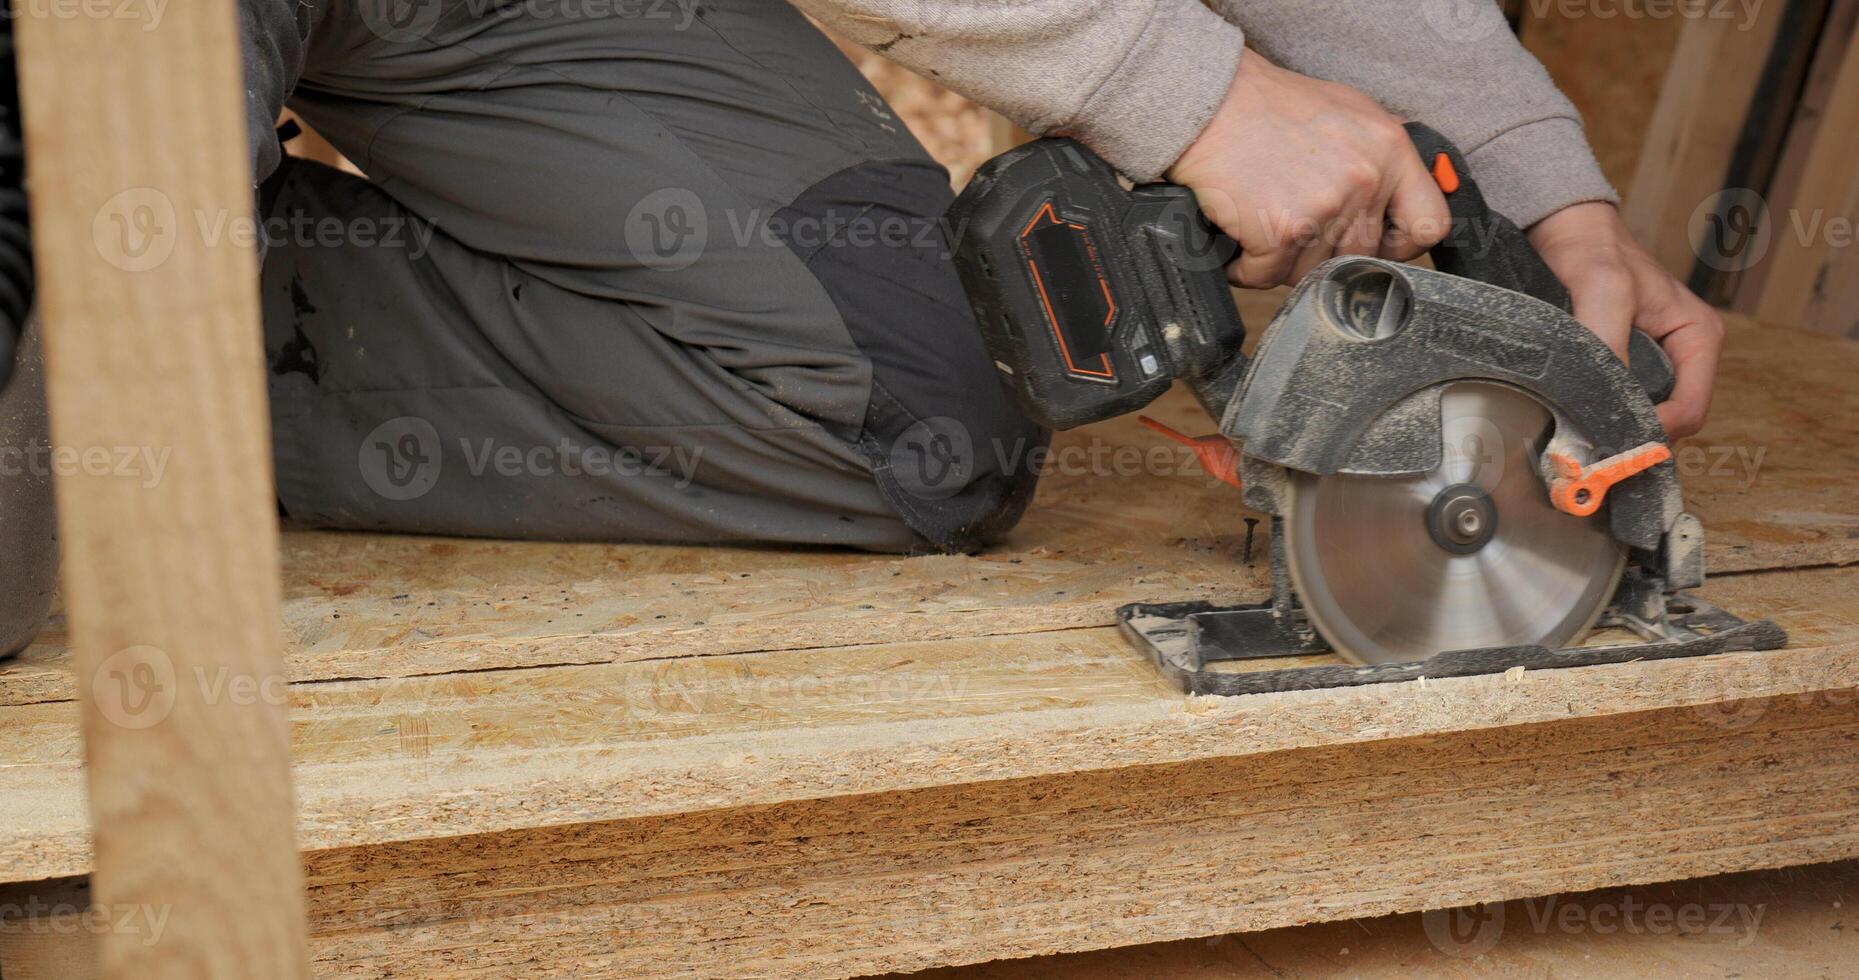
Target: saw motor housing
x=1094 y=298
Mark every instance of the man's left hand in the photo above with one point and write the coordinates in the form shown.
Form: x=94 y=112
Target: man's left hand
x=1617 y=286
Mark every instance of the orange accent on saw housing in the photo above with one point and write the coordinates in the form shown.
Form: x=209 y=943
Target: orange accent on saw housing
x=1105 y=370
x=1444 y=175
x=1216 y=452
x=1579 y=491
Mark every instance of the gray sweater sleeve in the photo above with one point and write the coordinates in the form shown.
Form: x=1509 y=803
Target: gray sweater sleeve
x=1136 y=80
x=1454 y=65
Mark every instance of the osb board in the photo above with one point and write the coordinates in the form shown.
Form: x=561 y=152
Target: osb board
x=1109 y=527
x=1790 y=922
x=1774 y=476
x=1121 y=516
x=1029 y=866
x=472 y=753
x=1024 y=867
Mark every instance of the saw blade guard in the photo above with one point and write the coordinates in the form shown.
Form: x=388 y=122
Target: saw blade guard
x=1470 y=555
x=1348 y=379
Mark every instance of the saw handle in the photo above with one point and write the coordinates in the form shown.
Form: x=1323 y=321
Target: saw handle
x=1482 y=244
x=1486 y=246
x=1093 y=298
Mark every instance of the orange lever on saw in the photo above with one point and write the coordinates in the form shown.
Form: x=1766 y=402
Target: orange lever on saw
x=1579 y=491
x=1216 y=452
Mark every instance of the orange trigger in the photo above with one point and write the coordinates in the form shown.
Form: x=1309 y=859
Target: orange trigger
x=1444 y=175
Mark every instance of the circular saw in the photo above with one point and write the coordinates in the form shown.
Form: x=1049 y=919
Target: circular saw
x=1460 y=477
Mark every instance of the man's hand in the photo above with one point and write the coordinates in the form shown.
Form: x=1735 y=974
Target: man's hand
x=1298 y=171
x=1617 y=286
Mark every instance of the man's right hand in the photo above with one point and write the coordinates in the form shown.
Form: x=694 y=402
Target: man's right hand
x=1298 y=171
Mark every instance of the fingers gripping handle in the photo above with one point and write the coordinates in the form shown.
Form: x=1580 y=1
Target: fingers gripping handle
x=1481 y=244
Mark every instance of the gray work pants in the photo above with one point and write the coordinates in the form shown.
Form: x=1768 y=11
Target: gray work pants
x=669 y=272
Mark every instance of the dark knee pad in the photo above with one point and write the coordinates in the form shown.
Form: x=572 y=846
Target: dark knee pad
x=961 y=483
x=948 y=446
x=28 y=522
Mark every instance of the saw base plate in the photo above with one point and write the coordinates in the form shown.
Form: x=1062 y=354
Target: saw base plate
x=1185 y=638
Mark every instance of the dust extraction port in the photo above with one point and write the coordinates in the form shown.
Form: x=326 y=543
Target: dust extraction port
x=1367 y=300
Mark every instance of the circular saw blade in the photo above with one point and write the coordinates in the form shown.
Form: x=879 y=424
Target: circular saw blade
x=1381 y=583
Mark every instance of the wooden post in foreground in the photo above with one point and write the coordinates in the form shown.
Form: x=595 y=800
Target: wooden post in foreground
x=148 y=295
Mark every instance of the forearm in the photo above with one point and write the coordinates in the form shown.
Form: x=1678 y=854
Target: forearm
x=1466 y=77
x=1134 y=79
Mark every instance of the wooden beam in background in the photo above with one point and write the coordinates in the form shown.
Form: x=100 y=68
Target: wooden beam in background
x=1692 y=141
x=1810 y=276
x=135 y=126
